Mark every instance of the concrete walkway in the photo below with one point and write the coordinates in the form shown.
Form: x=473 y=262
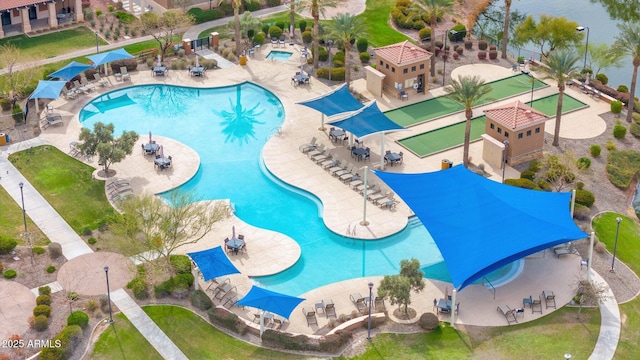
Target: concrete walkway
x=57 y=230
x=609 y=324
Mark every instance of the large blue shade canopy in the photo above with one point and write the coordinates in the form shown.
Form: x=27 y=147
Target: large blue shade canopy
x=480 y=225
x=338 y=101
x=109 y=56
x=271 y=301
x=70 y=70
x=366 y=121
x=213 y=263
x=47 y=89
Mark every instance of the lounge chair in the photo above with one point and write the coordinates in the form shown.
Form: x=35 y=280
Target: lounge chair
x=329 y=308
x=549 y=299
x=231 y=301
x=319 y=150
x=99 y=80
x=358 y=301
x=335 y=169
x=508 y=313
x=69 y=94
x=535 y=303
x=377 y=196
x=79 y=88
x=355 y=183
x=277 y=322
x=223 y=290
x=347 y=170
x=310 y=315
x=565 y=251
x=321 y=157
x=308 y=147
x=389 y=201
x=329 y=162
x=53 y=119
x=85 y=83
x=125 y=75
x=118 y=184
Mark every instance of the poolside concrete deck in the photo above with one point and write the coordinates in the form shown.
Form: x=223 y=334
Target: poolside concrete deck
x=270 y=252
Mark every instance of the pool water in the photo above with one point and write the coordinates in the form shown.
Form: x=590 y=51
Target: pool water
x=279 y=55
x=228 y=127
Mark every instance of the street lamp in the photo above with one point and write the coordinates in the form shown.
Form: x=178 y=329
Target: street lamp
x=586 y=47
x=330 y=43
x=444 y=56
x=533 y=83
x=615 y=245
x=106 y=271
x=370 y=301
x=24 y=212
x=97 y=49
x=504 y=158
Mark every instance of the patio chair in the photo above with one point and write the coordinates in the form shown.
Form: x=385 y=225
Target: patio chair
x=281 y=41
x=99 y=80
x=308 y=147
x=564 y=251
x=329 y=308
x=274 y=42
x=54 y=119
x=358 y=301
x=231 y=301
x=125 y=75
x=328 y=162
x=535 y=303
x=310 y=315
x=277 y=322
x=69 y=94
x=549 y=299
x=403 y=95
x=222 y=290
x=508 y=313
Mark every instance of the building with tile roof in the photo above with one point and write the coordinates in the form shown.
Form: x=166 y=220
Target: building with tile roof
x=521 y=126
x=405 y=67
x=26 y=16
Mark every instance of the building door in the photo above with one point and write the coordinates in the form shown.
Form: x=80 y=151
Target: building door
x=6 y=18
x=420 y=84
x=33 y=14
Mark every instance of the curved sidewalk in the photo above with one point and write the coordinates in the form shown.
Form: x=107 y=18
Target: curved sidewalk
x=609 y=324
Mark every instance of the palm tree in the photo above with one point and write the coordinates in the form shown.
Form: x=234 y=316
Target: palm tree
x=628 y=42
x=560 y=65
x=237 y=4
x=505 y=31
x=317 y=8
x=346 y=28
x=435 y=8
x=467 y=90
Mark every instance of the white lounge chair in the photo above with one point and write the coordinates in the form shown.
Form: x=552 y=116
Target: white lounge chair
x=308 y=147
x=99 y=80
x=319 y=150
x=86 y=84
x=125 y=75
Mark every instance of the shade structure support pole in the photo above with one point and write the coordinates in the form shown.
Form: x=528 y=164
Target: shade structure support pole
x=37 y=108
x=573 y=201
x=591 y=240
x=454 y=292
x=364 y=221
x=382 y=153
x=321 y=128
x=261 y=323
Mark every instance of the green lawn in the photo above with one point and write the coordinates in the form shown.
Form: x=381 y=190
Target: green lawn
x=443 y=105
x=376 y=19
x=66 y=184
x=54 y=44
x=123 y=341
x=444 y=138
x=12 y=224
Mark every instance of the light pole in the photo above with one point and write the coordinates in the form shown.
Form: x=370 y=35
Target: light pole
x=586 y=47
x=615 y=244
x=330 y=43
x=504 y=158
x=24 y=212
x=533 y=83
x=370 y=301
x=97 y=49
x=106 y=271
x=445 y=55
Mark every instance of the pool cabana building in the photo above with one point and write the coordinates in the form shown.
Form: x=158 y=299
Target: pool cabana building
x=402 y=67
x=25 y=16
x=521 y=126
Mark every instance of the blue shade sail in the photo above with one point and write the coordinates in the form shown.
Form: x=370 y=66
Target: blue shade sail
x=367 y=121
x=70 y=71
x=47 y=89
x=109 y=56
x=336 y=102
x=213 y=263
x=270 y=301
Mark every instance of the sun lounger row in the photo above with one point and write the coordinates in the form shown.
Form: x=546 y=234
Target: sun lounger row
x=119 y=190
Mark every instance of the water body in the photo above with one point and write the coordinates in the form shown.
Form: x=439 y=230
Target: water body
x=602 y=29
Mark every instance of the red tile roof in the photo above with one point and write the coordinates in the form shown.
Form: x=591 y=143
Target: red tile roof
x=14 y=4
x=516 y=115
x=403 y=53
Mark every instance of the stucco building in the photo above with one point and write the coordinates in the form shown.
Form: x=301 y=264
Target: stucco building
x=403 y=67
x=25 y=16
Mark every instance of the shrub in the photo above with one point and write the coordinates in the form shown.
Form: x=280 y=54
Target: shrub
x=227 y=319
x=5 y=104
x=139 y=287
x=544 y=185
x=636 y=116
x=1 y=267
x=634 y=129
x=111 y=8
x=337 y=74
x=10 y=274
x=44 y=290
x=323 y=54
x=581 y=212
x=602 y=78
x=79 y=318
x=595 y=150
x=69 y=338
x=307 y=37
x=302 y=25
x=585 y=197
x=38 y=250
x=468 y=44
x=73 y=296
x=600 y=247
x=362 y=44
x=40 y=323
x=55 y=250
x=482 y=44
x=619 y=131
x=275 y=32
x=104 y=303
x=579 y=185
x=200 y=299
x=424 y=34
x=92 y=241
x=43 y=300
x=528 y=174
x=280 y=24
x=623 y=88
x=610 y=145
x=91 y=306
x=272 y=3
x=42 y=310
x=482 y=55
x=7 y=245
x=534 y=165
x=616 y=106
x=583 y=163
x=429 y=321
x=523 y=183
x=493 y=54
x=338 y=56
x=130 y=64
x=365 y=57
x=181 y=264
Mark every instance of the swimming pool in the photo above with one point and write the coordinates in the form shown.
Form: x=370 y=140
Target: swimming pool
x=279 y=55
x=228 y=127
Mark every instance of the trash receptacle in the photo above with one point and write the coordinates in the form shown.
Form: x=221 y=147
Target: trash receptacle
x=243 y=60
x=3 y=139
x=446 y=164
x=7 y=138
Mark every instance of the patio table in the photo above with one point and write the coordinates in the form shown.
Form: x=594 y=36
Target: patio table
x=392 y=158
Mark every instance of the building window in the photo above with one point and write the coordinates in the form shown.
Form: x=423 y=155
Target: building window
x=404 y=71
x=381 y=63
x=421 y=66
x=520 y=136
x=528 y=132
x=386 y=66
x=499 y=131
x=393 y=69
x=537 y=130
x=492 y=126
x=506 y=134
x=413 y=68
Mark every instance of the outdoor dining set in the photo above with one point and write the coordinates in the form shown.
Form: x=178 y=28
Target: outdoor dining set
x=300 y=78
x=153 y=148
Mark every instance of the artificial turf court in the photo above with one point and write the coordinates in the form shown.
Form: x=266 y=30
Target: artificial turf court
x=440 y=106
x=451 y=136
